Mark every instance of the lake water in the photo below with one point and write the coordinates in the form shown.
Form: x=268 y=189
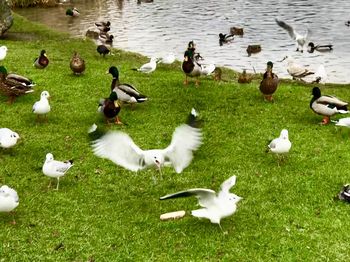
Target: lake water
x=167 y=26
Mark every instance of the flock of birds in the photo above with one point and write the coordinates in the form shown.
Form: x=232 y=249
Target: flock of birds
x=120 y=148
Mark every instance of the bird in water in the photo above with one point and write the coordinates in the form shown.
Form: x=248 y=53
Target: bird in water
x=225 y=38
x=311 y=47
x=300 y=40
x=73 y=12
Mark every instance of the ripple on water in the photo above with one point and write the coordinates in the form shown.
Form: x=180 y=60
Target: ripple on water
x=167 y=26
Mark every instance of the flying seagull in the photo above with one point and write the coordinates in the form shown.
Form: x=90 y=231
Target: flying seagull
x=215 y=206
x=121 y=149
x=54 y=168
x=300 y=40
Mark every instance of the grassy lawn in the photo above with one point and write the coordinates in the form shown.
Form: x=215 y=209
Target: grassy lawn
x=103 y=212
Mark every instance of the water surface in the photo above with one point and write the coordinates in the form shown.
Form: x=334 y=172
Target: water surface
x=167 y=26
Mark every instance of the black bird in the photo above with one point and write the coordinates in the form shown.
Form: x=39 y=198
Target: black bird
x=102 y=50
x=347 y=23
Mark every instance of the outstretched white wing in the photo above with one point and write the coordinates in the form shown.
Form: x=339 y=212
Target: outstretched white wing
x=206 y=197
x=185 y=140
x=119 y=148
x=227 y=184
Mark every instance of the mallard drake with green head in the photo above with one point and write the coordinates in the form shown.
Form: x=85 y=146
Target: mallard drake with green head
x=327 y=106
x=110 y=108
x=13 y=85
x=77 y=64
x=126 y=92
x=42 y=61
x=73 y=12
x=269 y=83
x=311 y=47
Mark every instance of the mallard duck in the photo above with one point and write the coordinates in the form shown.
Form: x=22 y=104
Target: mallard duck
x=253 y=49
x=269 y=83
x=103 y=26
x=3 y=52
x=8 y=200
x=126 y=92
x=42 y=61
x=320 y=48
x=110 y=108
x=92 y=34
x=347 y=23
x=13 y=85
x=244 y=78
x=225 y=39
x=103 y=50
x=148 y=67
x=191 y=67
x=42 y=107
x=326 y=106
x=300 y=40
x=236 y=31
x=77 y=64
x=106 y=38
x=73 y=12
x=217 y=74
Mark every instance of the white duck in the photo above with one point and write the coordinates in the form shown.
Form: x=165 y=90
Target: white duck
x=215 y=206
x=8 y=199
x=42 y=107
x=148 y=67
x=56 y=169
x=8 y=138
x=281 y=144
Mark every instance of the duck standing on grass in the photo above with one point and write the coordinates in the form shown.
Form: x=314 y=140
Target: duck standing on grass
x=56 y=169
x=190 y=65
x=13 y=85
x=126 y=93
x=8 y=200
x=42 y=107
x=103 y=50
x=269 y=83
x=77 y=64
x=42 y=61
x=110 y=108
x=327 y=106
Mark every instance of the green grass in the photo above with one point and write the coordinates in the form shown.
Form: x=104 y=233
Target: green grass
x=103 y=212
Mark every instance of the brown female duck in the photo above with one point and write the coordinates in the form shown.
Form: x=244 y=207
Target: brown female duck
x=269 y=83
x=77 y=64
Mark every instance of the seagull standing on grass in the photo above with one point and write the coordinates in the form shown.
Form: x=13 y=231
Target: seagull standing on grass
x=3 y=52
x=121 y=149
x=215 y=206
x=8 y=200
x=56 y=169
x=300 y=40
x=148 y=67
x=281 y=144
x=8 y=138
x=42 y=107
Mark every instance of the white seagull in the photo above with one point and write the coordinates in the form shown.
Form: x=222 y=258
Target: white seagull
x=148 y=67
x=300 y=40
x=342 y=122
x=8 y=138
x=295 y=70
x=42 y=107
x=8 y=199
x=167 y=59
x=280 y=145
x=3 y=52
x=54 y=168
x=215 y=206
x=121 y=149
